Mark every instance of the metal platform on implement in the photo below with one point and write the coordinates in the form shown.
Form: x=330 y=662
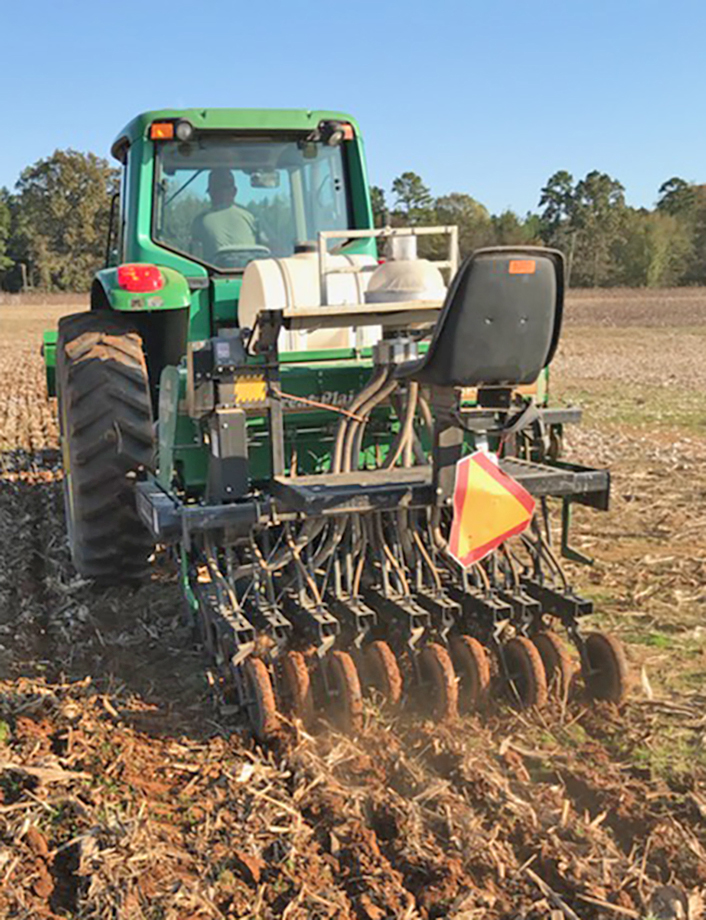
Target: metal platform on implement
x=371 y=490
x=559 y=479
x=365 y=490
x=170 y=520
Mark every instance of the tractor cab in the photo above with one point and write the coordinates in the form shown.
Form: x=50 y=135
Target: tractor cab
x=206 y=192
x=225 y=200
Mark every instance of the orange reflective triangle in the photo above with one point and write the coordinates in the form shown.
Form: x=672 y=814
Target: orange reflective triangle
x=489 y=507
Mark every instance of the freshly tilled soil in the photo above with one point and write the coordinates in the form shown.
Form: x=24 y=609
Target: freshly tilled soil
x=129 y=788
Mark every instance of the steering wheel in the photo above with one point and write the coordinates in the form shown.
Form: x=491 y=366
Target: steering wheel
x=239 y=256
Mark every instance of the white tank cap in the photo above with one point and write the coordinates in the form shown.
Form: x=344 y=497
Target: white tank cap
x=402 y=248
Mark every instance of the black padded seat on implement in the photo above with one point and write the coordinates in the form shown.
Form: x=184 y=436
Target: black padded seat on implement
x=500 y=322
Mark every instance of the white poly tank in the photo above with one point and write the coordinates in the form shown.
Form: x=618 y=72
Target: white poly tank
x=279 y=284
x=405 y=281
x=404 y=277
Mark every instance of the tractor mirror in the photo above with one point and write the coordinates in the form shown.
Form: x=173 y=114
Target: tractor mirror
x=309 y=149
x=265 y=178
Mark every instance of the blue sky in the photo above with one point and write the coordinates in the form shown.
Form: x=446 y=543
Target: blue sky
x=487 y=98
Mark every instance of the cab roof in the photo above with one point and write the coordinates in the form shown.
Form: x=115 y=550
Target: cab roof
x=225 y=119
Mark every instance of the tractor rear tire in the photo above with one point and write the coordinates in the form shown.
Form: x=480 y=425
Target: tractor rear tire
x=107 y=439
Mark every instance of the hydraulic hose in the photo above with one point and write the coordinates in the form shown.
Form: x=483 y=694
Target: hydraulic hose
x=427 y=417
x=356 y=430
x=541 y=548
x=511 y=564
x=296 y=554
x=420 y=457
x=427 y=558
x=404 y=584
x=406 y=427
x=413 y=452
x=333 y=538
x=376 y=381
x=361 y=561
x=311 y=529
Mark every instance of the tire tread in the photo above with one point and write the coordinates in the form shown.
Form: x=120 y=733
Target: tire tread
x=104 y=396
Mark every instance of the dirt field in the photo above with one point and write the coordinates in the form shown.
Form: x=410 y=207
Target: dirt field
x=128 y=791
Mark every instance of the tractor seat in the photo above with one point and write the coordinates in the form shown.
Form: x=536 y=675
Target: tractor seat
x=500 y=322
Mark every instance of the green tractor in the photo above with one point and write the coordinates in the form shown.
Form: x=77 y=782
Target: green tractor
x=258 y=389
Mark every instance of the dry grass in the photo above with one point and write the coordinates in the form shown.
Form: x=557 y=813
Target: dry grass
x=621 y=308
x=127 y=790
x=65 y=301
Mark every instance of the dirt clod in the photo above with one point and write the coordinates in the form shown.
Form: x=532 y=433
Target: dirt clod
x=43 y=885
x=37 y=842
x=249 y=866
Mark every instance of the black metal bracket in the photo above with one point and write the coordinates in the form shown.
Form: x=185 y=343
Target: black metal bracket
x=358 y=617
x=564 y=604
x=444 y=611
x=412 y=619
x=481 y=606
x=316 y=622
x=573 y=555
x=227 y=634
x=525 y=609
x=270 y=619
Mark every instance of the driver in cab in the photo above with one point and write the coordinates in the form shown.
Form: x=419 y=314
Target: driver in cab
x=225 y=225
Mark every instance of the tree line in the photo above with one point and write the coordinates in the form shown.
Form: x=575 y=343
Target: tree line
x=54 y=225
x=607 y=243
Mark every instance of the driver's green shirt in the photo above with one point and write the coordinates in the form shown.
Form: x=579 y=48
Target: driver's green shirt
x=224 y=228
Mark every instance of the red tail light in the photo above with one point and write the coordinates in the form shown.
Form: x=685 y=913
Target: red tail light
x=140 y=279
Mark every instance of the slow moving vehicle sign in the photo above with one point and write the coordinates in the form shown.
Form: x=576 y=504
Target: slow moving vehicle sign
x=489 y=507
